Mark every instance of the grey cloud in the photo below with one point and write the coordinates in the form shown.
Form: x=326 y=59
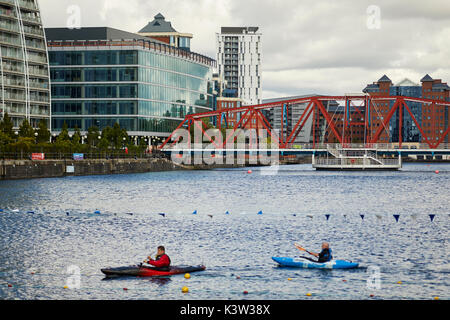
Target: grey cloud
x=308 y=46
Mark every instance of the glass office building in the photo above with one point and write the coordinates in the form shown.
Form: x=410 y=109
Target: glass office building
x=410 y=132
x=146 y=86
x=24 y=92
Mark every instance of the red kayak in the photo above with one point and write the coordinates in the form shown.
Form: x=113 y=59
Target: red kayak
x=144 y=271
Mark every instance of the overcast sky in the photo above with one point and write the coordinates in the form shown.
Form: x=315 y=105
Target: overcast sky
x=309 y=46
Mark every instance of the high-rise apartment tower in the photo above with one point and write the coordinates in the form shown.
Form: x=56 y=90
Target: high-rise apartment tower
x=239 y=56
x=24 y=72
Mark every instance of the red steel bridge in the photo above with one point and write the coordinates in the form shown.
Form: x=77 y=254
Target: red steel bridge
x=364 y=107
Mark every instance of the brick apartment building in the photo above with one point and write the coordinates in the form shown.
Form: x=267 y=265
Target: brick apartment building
x=434 y=119
x=229 y=120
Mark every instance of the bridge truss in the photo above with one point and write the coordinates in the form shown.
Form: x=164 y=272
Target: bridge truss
x=363 y=107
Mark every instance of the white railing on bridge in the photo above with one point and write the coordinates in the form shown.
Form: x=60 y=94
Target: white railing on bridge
x=333 y=148
x=354 y=162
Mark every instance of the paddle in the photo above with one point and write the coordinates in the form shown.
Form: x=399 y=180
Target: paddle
x=302 y=249
x=146 y=260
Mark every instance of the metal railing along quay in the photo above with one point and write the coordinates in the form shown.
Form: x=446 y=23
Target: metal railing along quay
x=84 y=156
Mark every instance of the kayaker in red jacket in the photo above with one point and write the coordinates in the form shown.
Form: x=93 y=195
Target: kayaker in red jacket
x=162 y=260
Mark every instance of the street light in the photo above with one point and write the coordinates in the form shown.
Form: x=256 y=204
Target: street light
x=17 y=135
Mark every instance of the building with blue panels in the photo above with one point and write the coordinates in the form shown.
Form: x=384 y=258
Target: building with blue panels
x=410 y=132
x=103 y=76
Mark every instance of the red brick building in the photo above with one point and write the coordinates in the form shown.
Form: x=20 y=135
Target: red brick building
x=435 y=119
x=379 y=109
x=352 y=133
x=228 y=120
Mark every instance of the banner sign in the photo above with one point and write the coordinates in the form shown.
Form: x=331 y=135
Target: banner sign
x=78 y=156
x=37 y=156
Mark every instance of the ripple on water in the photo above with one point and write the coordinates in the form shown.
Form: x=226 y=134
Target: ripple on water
x=236 y=248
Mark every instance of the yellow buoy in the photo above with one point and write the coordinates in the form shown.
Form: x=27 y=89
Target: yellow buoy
x=185 y=289
x=308 y=294
x=399 y=282
x=187 y=276
x=66 y=287
x=289 y=279
x=436 y=298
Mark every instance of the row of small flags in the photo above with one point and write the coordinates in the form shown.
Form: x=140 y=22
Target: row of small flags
x=327 y=216
x=396 y=216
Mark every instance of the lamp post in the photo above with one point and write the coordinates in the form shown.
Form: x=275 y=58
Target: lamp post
x=17 y=139
x=35 y=138
x=99 y=138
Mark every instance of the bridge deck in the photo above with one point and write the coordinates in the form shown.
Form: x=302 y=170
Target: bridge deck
x=403 y=152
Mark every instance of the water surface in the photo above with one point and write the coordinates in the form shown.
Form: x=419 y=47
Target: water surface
x=49 y=225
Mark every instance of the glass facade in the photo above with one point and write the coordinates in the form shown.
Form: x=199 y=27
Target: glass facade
x=24 y=69
x=410 y=132
x=145 y=91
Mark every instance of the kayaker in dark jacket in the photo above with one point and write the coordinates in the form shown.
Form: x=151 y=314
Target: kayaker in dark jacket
x=161 y=261
x=324 y=256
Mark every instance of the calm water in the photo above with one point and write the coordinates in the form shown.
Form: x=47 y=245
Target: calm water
x=37 y=248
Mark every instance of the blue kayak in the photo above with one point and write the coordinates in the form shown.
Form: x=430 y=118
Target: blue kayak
x=304 y=263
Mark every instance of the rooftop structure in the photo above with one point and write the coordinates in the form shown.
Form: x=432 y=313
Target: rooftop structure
x=162 y=30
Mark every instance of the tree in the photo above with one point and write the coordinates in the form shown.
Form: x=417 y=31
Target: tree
x=92 y=136
x=23 y=144
x=107 y=138
x=26 y=130
x=64 y=134
x=76 y=138
x=142 y=144
x=104 y=144
x=6 y=126
x=118 y=135
x=5 y=139
x=43 y=132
